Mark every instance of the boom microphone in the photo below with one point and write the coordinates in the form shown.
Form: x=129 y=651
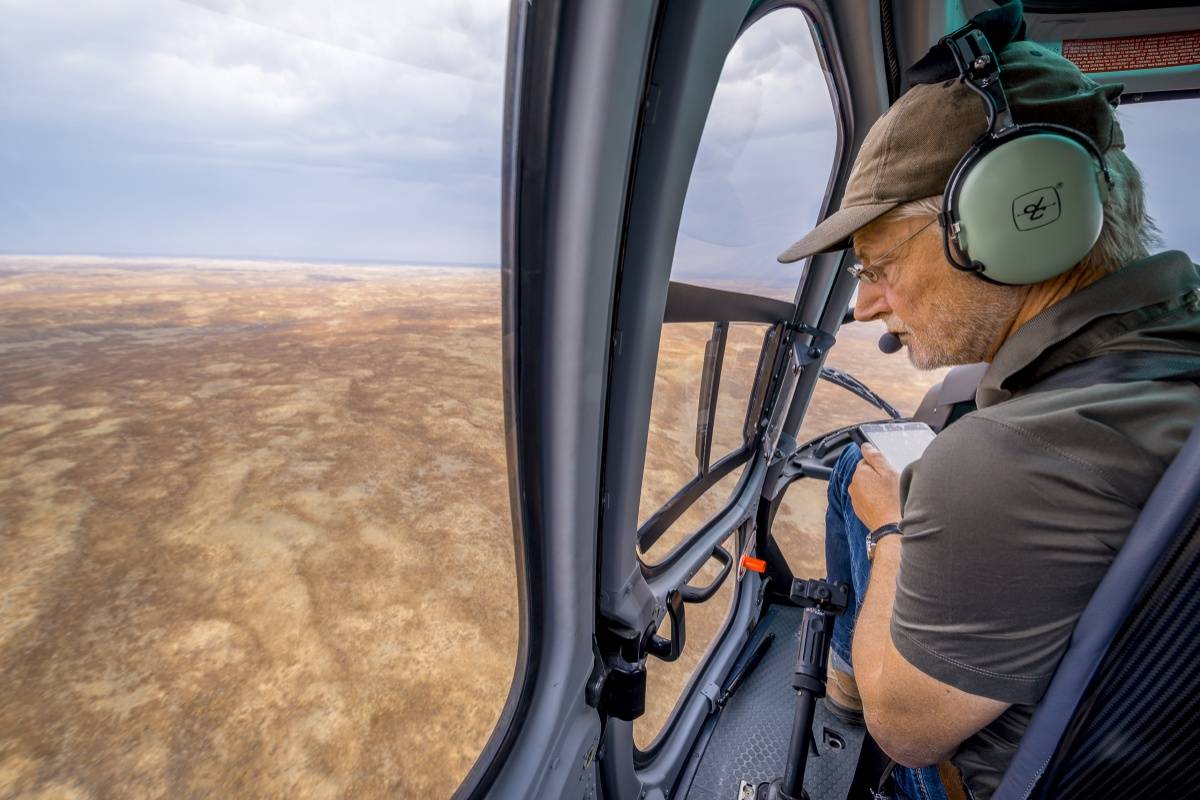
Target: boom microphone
x=890 y=343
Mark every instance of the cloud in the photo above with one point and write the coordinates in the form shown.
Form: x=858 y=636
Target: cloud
x=372 y=130
x=772 y=82
x=764 y=159
x=449 y=37
x=259 y=92
x=246 y=82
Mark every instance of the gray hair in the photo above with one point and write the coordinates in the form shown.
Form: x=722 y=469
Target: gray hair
x=1128 y=233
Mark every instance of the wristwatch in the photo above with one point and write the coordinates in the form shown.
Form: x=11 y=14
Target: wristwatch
x=874 y=536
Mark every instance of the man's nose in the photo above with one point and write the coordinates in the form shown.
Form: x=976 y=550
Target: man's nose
x=870 y=303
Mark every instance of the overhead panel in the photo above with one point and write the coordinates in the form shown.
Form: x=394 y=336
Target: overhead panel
x=1093 y=6
x=1151 y=66
x=1124 y=53
x=1152 y=48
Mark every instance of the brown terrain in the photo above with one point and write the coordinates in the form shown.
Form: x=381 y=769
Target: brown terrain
x=254 y=525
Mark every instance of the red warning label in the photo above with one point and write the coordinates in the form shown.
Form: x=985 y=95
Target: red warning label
x=1119 y=53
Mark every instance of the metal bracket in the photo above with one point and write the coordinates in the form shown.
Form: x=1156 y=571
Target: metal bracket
x=979 y=68
x=821 y=343
x=814 y=593
x=712 y=693
x=799 y=356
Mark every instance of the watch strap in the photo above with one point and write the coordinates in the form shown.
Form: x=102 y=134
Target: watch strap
x=874 y=536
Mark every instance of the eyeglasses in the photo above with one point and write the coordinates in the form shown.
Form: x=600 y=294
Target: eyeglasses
x=870 y=275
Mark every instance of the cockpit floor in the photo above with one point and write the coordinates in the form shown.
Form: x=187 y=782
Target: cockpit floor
x=750 y=739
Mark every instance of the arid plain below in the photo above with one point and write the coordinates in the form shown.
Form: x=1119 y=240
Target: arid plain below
x=254 y=524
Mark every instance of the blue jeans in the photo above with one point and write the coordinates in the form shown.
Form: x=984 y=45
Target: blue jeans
x=846 y=562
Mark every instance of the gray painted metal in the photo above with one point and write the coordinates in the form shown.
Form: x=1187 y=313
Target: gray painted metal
x=693 y=42
x=567 y=223
x=1057 y=27
x=859 y=85
x=694 y=39
x=567 y=183
x=681 y=565
x=688 y=303
x=587 y=258
x=822 y=300
x=621 y=776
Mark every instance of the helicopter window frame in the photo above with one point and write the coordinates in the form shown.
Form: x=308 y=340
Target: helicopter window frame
x=687 y=302
x=726 y=522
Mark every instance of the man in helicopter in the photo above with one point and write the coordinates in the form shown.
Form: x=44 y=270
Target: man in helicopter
x=996 y=221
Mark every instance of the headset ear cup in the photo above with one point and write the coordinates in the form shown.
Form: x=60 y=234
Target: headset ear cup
x=1030 y=207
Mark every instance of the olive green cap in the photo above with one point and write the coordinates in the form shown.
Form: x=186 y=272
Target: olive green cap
x=911 y=150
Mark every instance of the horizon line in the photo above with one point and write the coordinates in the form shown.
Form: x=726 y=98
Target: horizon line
x=323 y=260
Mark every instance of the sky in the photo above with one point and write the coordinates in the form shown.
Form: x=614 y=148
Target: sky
x=310 y=128
x=370 y=130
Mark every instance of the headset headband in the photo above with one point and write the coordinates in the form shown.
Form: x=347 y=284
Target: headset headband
x=979 y=68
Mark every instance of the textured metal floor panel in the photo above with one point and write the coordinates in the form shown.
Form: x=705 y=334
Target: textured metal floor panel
x=750 y=739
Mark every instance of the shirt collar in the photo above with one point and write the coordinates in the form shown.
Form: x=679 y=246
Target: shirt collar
x=1036 y=348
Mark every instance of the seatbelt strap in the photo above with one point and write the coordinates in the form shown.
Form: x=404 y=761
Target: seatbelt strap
x=1126 y=367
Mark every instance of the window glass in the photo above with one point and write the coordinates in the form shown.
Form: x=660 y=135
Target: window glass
x=671 y=458
x=892 y=377
x=254 y=524
x=763 y=163
x=742 y=348
x=1160 y=138
x=767 y=146
x=758 y=180
x=671 y=449
x=707 y=506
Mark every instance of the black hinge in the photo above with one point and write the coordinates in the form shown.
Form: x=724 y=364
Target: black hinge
x=617 y=686
x=621 y=693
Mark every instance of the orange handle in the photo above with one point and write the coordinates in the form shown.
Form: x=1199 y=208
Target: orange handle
x=754 y=564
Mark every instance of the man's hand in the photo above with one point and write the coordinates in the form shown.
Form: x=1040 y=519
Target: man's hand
x=875 y=489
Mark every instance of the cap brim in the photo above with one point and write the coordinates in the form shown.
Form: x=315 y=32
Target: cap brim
x=836 y=230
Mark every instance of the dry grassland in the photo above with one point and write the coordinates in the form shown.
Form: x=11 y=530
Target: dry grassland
x=254 y=525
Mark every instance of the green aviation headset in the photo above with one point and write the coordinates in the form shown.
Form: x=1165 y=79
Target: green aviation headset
x=1026 y=202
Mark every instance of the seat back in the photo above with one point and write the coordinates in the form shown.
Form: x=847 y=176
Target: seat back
x=1121 y=717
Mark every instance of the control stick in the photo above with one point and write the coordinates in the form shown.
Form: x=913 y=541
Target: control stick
x=821 y=601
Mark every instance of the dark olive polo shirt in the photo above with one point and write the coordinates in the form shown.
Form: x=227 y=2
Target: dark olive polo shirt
x=1015 y=512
